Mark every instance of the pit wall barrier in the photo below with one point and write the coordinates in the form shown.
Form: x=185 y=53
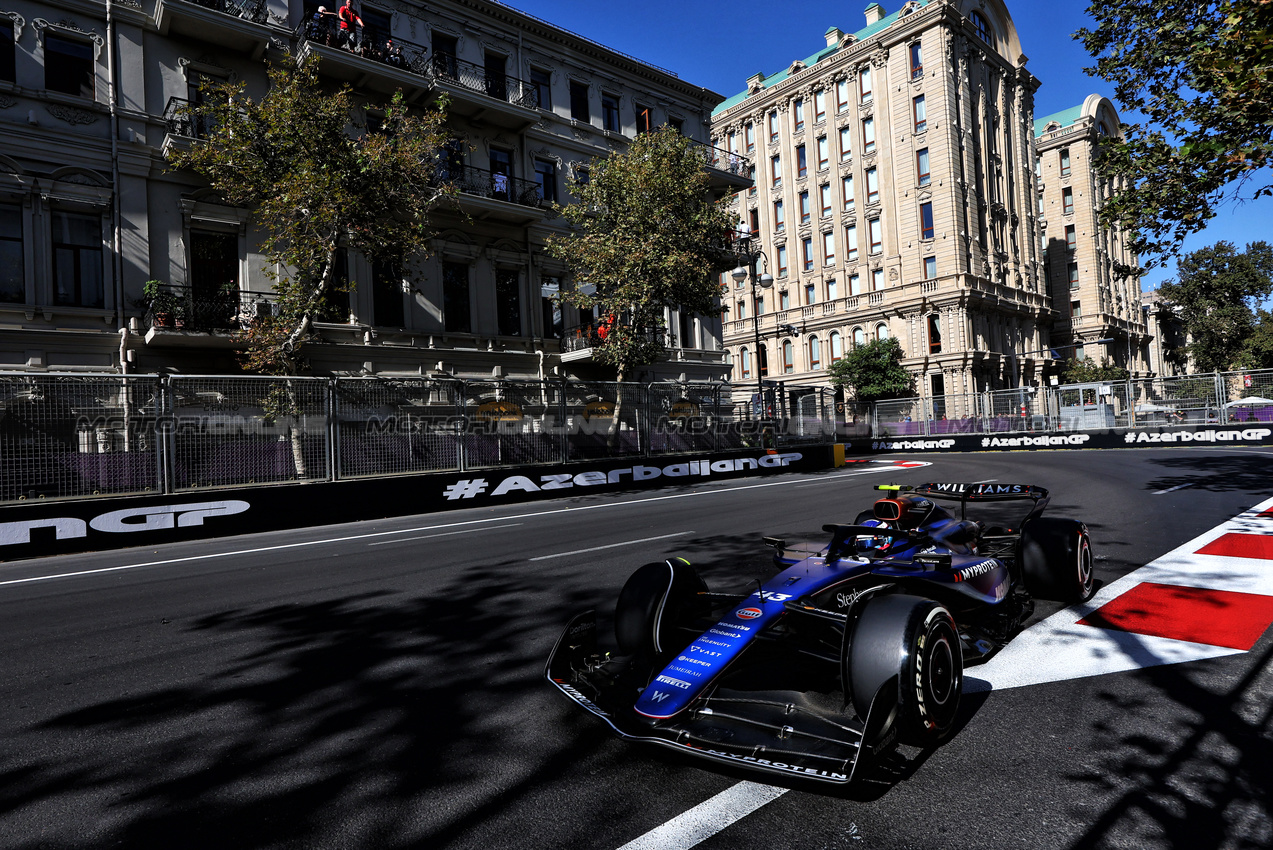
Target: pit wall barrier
x=40 y=528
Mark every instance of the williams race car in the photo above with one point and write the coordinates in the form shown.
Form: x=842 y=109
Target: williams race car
x=853 y=647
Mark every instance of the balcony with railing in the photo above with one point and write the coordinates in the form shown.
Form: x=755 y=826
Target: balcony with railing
x=490 y=194
x=183 y=315
x=375 y=62
x=728 y=170
x=484 y=95
x=237 y=24
x=181 y=128
x=580 y=341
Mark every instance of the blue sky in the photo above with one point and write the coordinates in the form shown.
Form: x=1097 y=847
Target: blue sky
x=720 y=45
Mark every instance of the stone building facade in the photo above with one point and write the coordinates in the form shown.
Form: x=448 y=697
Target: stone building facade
x=89 y=210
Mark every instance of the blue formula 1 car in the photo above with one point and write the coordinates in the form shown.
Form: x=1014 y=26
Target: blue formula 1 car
x=853 y=647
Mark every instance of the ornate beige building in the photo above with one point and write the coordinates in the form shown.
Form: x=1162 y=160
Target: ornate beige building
x=1093 y=278
x=896 y=195
x=89 y=210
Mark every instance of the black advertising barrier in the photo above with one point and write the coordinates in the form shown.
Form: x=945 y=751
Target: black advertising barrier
x=37 y=528
x=1219 y=435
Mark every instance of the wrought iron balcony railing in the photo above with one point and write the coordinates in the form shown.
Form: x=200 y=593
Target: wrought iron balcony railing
x=184 y=308
x=374 y=45
x=721 y=159
x=583 y=337
x=181 y=122
x=249 y=10
x=490 y=184
x=447 y=68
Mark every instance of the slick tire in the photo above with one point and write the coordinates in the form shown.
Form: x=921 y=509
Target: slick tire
x=657 y=600
x=916 y=640
x=1055 y=558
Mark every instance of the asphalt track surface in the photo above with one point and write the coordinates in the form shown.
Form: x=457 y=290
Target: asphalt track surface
x=380 y=685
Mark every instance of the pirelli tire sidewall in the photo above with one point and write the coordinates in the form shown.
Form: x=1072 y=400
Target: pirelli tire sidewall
x=915 y=639
x=1055 y=560
x=656 y=601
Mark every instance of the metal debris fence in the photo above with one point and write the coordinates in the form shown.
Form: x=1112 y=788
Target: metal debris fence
x=82 y=435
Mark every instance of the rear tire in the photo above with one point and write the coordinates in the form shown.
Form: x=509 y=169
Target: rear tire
x=657 y=600
x=1055 y=557
x=916 y=640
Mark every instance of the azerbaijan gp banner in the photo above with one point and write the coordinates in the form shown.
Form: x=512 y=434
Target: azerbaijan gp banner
x=38 y=528
x=1032 y=441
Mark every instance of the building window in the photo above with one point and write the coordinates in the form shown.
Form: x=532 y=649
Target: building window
x=859 y=337
x=810 y=296
x=855 y=285
x=1073 y=273
x=782 y=261
x=644 y=119
x=851 y=242
x=917 y=61
x=773 y=127
x=930 y=268
x=797 y=110
x=846 y=184
x=776 y=163
x=934 y=334
x=806 y=250
x=760 y=311
x=579 y=102
x=876 y=232
x=753 y=216
x=841 y=95
x=610 y=113
x=805 y=214
x=833 y=289
x=456 y=317
x=677 y=124
x=542 y=82
x=872 y=186
x=979 y=24
x=828 y=249
x=12 y=277
x=1067 y=201
x=546 y=174
x=554 y=320
x=881 y=330
x=864 y=83
x=744 y=356
x=1080 y=353
x=819 y=106
x=8 y=51
x=837 y=346
x=1069 y=237
x=920 y=112
x=784 y=300
x=921 y=166
x=877 y=280
x=749 y=137
x=802 y=162
x=214 y=272
x=1065 y=162
x=788 y=357
x=1076 y=309
x=926 y=221
x=815 y=353
x=824 y=156
x=780 y=219
x=386 y=295
x=68 y=66
x=824 y=195
x=846 y=143
x=742 y=308
x=868 y=135
x=77 y=260
x=508 y=302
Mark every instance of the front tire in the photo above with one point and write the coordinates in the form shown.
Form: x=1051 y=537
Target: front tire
x=655 y=603
x=916 y=640
x=1055 y=557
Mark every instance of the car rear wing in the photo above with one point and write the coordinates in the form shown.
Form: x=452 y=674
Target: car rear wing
x=981 y=492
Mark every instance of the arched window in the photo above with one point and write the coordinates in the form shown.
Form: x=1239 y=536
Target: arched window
x=859 y=337
x=881 y=331
x=788 y=357
x=979 y=24
x=815 y=353
x=744 y=358
x=837 y=346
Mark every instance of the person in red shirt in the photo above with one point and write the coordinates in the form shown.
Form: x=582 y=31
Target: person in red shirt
x=350 y=27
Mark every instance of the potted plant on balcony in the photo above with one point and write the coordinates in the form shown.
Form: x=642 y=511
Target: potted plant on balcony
x=163 y=303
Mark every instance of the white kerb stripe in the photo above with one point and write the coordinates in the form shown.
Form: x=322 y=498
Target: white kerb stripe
x=707 y=818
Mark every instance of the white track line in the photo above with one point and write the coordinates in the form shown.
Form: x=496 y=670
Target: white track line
x=610 y=546
x=1172 y=489
x=706 y=492
x=443 y=534
x=707 y=818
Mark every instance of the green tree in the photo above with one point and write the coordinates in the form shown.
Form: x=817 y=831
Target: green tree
x=1202 y=74
x=318 y=174
x=1214 y=295
x=873 y=372
x=1257 y=349
x=1088 y=371
x=646 y=236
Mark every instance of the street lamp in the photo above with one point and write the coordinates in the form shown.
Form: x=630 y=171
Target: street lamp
x=763 y=281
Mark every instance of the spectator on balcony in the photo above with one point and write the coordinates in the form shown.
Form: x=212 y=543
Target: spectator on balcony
x=321 y=27
x=350 y=27
x=393 y=55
